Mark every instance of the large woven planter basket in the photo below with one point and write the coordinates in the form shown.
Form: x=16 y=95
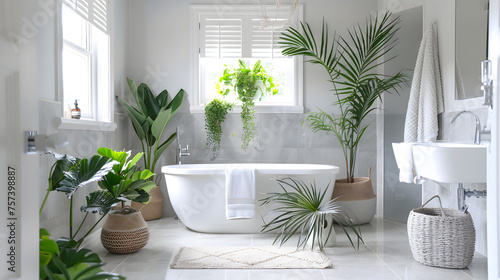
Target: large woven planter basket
x=358 y=197
x=124 y=233
x=441 y=237
x=154 y=209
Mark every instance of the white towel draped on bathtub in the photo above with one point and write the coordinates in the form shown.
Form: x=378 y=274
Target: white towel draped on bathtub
x=240 y=192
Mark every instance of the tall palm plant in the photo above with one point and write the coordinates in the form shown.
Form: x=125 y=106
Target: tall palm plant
x=351 y=64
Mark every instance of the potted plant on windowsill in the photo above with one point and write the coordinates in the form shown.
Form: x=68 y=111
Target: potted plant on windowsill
x=300 y=209
x=149 y=120
x=352 y=68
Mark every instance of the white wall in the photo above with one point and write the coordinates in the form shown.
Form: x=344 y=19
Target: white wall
x=159 y=55
x=9 y=64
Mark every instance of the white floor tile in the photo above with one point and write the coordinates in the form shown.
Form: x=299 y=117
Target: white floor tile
x=417 y=271
x=360 y=271
x=386 y=255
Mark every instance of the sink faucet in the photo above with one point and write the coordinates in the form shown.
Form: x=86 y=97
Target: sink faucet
x=181 y=152
x=477 y=131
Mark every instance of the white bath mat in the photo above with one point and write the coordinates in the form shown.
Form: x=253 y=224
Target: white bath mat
x=248 y=258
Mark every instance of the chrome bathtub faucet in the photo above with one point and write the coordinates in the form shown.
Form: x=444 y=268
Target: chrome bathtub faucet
x=181 y=152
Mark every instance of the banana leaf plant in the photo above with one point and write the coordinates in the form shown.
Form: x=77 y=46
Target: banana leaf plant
x=300 y=209
x=351 y=63
x=150 y=119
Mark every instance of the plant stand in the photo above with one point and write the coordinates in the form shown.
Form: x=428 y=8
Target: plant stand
x=357 y=197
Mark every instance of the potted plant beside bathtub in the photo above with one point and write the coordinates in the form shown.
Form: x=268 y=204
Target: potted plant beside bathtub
x=125 y=230
x=66 y=257
x=352 y=68
x=300 y=208
x=150 y=119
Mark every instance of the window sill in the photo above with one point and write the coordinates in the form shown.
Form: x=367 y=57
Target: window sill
x=262 y=109
x=74 y=124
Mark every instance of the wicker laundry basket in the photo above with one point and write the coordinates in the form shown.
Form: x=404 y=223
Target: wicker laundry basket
x=441 y=237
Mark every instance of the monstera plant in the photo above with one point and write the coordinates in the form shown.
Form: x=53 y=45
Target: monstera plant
x=119 y=179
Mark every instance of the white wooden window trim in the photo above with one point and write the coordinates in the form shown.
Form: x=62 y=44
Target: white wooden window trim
x=198 y=49
x=99 y=13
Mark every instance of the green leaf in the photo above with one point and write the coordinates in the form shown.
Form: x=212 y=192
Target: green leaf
x=137 y=118
x=161 y=148
x=64 y=242
x=73 y=256
x=110 y=180
x=160 y=123
x=59 y=265
x=134 y=160
x=120 y=157
x=94 y=272
x=142 y=175
x=48 y=246
x=138 y=191
x=85 y=172
x=44 y=260
x=139 y=99
x=176 y=101
x=162 y=99
x=100 y=202
x=60 y=168
x=149 y=100
x=139 y=197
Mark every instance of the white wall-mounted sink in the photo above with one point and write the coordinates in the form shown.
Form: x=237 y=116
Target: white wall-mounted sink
x=446 y=162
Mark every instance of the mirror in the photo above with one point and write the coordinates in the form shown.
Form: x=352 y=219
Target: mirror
x=471 y=41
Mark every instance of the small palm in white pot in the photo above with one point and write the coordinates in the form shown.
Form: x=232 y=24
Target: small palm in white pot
x=300 y=209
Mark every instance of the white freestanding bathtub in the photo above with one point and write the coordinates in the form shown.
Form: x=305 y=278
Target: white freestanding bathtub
x=197 y=192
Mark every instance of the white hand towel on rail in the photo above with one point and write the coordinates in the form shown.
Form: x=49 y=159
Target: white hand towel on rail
x=426 y=94
x=240 y=192
x=404 y=160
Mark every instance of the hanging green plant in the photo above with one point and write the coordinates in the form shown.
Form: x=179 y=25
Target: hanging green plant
x=215 y=114
x=247 y=82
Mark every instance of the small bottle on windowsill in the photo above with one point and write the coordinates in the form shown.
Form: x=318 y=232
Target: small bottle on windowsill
x=75 y=112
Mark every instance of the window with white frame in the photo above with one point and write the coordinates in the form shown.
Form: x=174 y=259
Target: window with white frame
x=86 y=57
x=223 y=34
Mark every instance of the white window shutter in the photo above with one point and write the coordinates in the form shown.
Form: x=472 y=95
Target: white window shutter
x=221 y=38
x=94 y=11
x=239 y=35
x=265 y=40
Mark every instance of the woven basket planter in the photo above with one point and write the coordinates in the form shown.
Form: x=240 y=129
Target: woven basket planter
x=358 y=197
x=154 y=209
x=124 y=233
x=441 y=237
